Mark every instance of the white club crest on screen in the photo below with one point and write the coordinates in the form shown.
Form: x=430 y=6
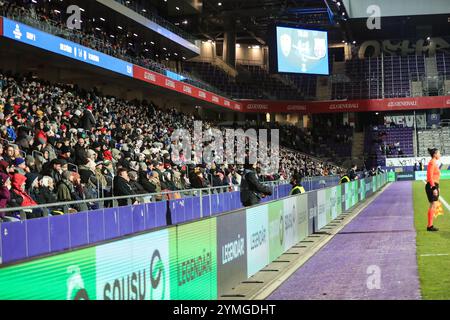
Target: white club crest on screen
x=286 y=44
x=320 y=48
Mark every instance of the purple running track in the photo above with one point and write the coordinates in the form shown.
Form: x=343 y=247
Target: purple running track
x=383 y=235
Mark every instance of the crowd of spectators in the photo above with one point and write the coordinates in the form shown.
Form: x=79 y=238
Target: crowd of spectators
x=61 y=143
x=388 y=149
x=98 y=35
x=319 y=141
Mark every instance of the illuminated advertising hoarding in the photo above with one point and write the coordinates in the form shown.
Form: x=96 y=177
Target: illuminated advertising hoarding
x=134 y=269
x=257 y=239
x=276 y=229
x=291 y=225
x=199 y=260
x=31 y=36
x=70 y=276
x=302 y=217
x=231 y=251
x=321 y=209
x=195 y=275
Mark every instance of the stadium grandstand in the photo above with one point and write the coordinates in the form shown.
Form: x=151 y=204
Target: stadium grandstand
x=232 y=148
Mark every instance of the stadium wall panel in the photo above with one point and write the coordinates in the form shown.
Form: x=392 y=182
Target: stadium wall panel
x=197 y=260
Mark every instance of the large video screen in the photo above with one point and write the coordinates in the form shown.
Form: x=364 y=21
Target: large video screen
x=302 y=51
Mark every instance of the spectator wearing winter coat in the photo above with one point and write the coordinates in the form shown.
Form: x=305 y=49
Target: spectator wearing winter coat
x=5 y=186
x=251 y=189
x=5 y=197
x=197 y=180
x=46 y=192
x=88 y=120
x=154 y=180
x=122 y=186
x=31 y=164
x=65 y=154
x=65 y=188
x=144 y=181
x=54 y=169
x=18 y=188
x=80 y=151
x=134 y=183
x=32 y=183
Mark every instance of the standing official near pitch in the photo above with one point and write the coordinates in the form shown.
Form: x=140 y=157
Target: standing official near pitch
x=432 y=187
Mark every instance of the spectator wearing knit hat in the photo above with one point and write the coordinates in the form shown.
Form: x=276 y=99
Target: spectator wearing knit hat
x=65 y=154
x=20 y=166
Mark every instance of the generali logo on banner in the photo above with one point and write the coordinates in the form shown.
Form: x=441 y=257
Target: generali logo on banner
x=406 y=103
x=344 y=106
x=297 y=108
x=257 y=106
x=149 y=76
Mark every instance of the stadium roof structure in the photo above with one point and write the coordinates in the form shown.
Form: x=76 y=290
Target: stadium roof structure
x=344 y=20
x=253 y=18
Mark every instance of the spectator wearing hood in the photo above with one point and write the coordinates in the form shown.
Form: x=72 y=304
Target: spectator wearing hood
x=31 y=164
x=19 y=192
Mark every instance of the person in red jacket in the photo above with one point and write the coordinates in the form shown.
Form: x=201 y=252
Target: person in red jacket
x=432 y=187
x=107 y=154
x=18 y=187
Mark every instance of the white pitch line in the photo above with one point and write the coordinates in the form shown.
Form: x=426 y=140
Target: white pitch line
x=435 y=255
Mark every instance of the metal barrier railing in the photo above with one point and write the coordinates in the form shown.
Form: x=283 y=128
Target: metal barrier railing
x=59 y=208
